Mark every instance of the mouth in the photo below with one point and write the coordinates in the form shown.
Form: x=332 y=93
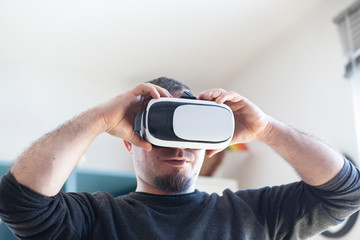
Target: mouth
x=177 y=162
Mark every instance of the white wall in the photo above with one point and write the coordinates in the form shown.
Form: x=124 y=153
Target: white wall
x=298 y=80
x=36 y=99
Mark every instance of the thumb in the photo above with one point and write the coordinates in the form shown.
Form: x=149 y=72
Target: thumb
x=140 y=142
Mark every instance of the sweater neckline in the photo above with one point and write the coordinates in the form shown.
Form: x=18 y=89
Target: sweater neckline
x=179 y=199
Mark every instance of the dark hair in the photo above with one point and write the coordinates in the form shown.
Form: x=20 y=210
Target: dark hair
x=169 y=84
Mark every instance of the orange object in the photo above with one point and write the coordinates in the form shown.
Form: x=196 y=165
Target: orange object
x=238 y=147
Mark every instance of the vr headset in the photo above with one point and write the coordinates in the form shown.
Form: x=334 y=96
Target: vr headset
x=185 y=122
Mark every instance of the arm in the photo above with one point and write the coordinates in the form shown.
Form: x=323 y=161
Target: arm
x=314 y=161
x=46 y=165
x=299 y=211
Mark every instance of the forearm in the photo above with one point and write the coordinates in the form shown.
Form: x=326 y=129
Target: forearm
x=45 y=166
x=315 y=161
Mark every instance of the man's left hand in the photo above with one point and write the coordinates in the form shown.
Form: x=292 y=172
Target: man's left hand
x=250 y=120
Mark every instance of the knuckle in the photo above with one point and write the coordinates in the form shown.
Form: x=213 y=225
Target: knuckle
x=141 y=85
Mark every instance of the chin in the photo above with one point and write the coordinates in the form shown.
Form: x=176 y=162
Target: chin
x=174 y=183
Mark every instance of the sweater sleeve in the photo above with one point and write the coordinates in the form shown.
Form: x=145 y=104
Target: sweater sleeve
x=31 y=215
x=299 y=211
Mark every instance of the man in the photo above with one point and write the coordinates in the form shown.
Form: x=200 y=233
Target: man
x=166 y=204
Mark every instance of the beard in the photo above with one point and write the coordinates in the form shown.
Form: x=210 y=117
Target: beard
x=173 y=183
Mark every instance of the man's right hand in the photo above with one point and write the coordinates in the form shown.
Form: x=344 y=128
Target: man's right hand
x=118 y=114
x=46 y=164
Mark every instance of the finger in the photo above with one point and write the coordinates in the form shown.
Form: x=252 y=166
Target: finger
x=205 y=95
x=220 y=95
x=146 y=99
x=229 y=97
x=140 y=142
x=211 y=94
x=154 y=91
x=162 y=91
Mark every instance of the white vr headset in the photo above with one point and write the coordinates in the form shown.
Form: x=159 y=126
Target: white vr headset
x=185 y=123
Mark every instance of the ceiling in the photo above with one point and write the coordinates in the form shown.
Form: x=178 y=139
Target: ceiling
x=202 y=42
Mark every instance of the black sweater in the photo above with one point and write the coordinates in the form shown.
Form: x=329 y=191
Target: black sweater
x=293 y=211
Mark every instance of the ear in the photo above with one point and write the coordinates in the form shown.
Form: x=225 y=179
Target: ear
x=128 y=146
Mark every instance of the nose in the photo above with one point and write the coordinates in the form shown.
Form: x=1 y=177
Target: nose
x=177 y=152
x=180 y=152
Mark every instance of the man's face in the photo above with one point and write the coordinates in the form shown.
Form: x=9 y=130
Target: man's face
x=167 y=170
x=170 y=170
